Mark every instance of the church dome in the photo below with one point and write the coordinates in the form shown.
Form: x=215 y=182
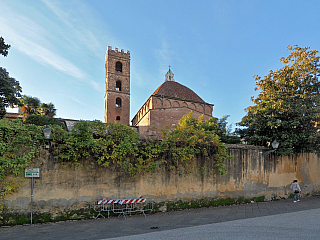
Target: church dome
x=177 y=90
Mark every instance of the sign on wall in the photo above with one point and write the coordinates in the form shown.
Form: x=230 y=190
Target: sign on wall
x=32 y=172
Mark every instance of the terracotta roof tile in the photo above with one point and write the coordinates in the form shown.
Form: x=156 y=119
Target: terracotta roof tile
x=177 y=90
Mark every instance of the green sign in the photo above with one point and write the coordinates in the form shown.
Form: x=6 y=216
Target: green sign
x=32 y=172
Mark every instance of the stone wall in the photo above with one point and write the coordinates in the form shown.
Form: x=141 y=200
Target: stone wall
x=249 y=175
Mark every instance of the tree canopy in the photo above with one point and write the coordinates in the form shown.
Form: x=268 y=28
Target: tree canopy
x=10 y=89
x=32 y=105
x=4 y=47
x=48 y=109
x=219 y=127
x=29 y=105
x=287 y=107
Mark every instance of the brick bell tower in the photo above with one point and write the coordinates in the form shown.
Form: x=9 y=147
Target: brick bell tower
x=117 y=93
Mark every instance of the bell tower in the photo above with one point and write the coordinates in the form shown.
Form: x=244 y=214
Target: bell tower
x=117 y=92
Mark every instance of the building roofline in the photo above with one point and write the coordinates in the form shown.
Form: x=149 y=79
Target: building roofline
x=182 y=99
x=163 y=96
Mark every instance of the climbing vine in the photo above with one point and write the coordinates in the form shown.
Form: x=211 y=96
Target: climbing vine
x=115 y=146
x=120 y=147
x=19 y=143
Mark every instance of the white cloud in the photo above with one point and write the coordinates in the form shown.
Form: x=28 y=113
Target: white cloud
x=30 y=38
x=77 y=101
x=163 y=54
x=81 y=27
x=30 y=46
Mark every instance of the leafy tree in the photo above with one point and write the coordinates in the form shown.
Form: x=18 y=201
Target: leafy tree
x=287 y=107
x=197 y=133
x=10 y=89
x=222 y=129
x=219 y=126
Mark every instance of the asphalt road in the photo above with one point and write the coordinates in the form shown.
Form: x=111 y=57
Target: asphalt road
x=297 y=225
x=281 y=219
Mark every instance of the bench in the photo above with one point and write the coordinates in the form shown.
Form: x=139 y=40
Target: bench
x=122 y=206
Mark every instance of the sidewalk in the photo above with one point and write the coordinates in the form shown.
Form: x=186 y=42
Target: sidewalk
x=137 y=224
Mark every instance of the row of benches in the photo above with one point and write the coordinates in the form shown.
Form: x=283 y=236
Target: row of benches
x=122 y=206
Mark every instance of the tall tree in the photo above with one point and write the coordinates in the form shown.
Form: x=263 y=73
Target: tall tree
x=10 y=89
x=287 y=107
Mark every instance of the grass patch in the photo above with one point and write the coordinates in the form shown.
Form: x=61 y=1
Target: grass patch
x=291 y=195
x=20 y=219
x=207 y=202
x=259 y=199
x=11 y=219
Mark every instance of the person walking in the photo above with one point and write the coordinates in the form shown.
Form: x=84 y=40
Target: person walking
x=296 y=189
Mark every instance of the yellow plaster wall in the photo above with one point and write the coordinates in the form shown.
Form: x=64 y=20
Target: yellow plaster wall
x=249 y=175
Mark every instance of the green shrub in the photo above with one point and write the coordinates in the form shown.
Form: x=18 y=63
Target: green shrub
x=119 y=146
x=42 y=120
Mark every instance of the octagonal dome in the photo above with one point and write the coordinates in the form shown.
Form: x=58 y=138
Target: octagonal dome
x=177 y=90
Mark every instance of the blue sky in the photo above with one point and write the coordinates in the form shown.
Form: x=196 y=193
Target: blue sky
x=214 y=47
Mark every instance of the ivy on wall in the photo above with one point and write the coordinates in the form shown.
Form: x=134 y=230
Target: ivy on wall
x=120 y=147
x=19 y=143
x=115 y=146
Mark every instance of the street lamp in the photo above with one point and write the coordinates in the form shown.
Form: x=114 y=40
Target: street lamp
x=47 y=136
x=275 y=145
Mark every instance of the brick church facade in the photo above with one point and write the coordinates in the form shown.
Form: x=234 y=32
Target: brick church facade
x=164 y=107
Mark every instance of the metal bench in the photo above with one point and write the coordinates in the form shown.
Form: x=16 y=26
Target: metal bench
x=122 y=206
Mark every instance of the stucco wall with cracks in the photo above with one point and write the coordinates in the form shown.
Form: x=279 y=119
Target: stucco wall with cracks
x=250 y=174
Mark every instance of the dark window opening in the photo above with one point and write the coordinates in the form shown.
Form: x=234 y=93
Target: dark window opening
x=118 y=118
x=118 y=67
x=118 y=102
x=118 y=86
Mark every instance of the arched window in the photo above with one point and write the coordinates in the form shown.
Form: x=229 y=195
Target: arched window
x=118 y=67
x=118 y=118
x=118 y=86
x=118 y=102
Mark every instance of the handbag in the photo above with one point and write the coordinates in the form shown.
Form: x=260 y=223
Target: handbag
x=296 y=191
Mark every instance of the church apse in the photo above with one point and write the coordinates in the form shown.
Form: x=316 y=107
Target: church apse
x=170 y=102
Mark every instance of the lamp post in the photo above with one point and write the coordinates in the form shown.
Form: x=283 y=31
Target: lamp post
x=47 y=136
x=275 y=145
